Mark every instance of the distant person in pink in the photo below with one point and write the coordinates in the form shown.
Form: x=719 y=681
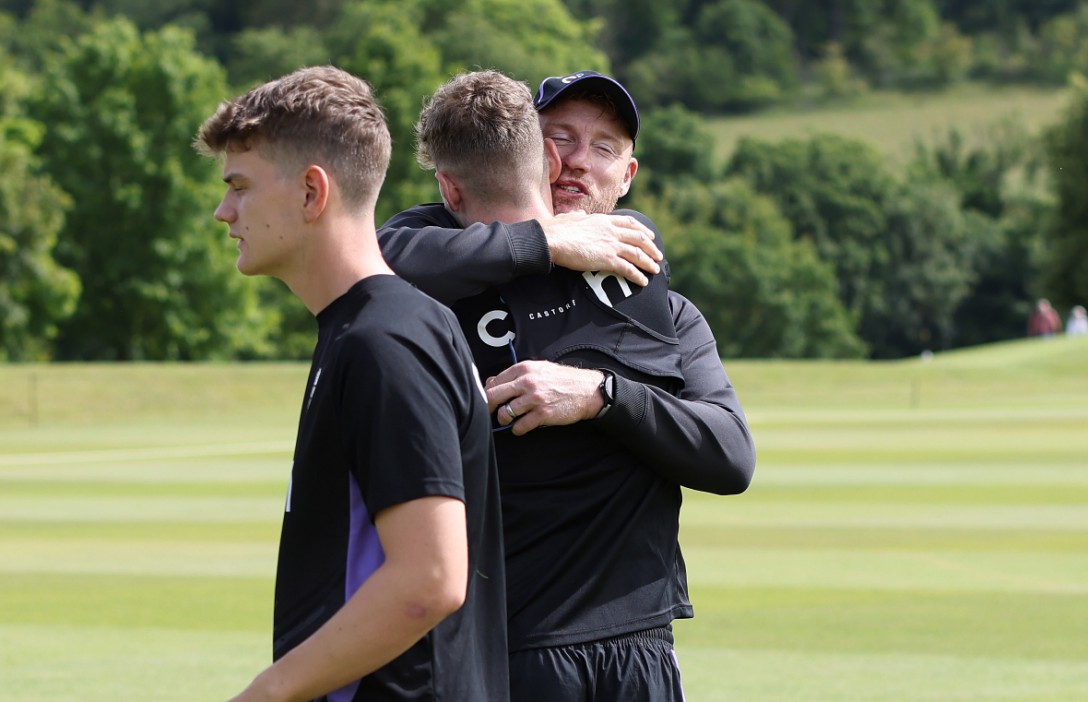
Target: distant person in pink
x=1044 y=320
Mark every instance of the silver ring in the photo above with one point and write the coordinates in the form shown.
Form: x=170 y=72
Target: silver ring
x=510 y=411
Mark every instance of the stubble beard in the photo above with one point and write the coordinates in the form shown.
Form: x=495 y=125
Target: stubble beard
x=601 y=203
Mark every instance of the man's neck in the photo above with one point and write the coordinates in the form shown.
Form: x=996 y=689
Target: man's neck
x=507 y=214
x=337 y=259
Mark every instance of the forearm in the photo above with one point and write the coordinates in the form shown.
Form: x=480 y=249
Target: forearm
x=699 y=438
x=701 y=444
x=382 y=620
x=423 y=580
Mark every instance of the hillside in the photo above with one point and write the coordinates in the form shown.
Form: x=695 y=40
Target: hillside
x=894 y=121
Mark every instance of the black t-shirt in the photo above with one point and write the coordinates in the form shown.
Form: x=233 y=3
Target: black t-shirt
x=394 y=411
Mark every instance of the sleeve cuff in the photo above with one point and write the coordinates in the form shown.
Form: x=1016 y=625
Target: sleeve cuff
x=530 y=248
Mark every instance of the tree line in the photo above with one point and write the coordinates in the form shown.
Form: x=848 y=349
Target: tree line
x=809 y=247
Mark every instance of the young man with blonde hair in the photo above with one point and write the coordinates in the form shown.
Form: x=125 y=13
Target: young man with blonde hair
x=390 y=581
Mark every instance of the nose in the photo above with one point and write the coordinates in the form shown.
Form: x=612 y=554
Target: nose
x=576 y=156
x=224 y=213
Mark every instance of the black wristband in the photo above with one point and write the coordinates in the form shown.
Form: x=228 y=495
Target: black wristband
x=607 y=388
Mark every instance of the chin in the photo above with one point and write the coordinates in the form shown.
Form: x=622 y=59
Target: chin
x=565 y=204
x=244 y=267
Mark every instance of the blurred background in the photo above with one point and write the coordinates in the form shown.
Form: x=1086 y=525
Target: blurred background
x=865 y=179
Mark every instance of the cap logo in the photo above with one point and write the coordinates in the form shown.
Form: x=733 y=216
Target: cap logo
x=573 y=77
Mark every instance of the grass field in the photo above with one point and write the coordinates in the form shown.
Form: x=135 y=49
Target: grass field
x=917 y=531
x=892 y=122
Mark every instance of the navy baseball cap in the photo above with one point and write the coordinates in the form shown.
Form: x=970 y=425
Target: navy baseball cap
x=590 y=82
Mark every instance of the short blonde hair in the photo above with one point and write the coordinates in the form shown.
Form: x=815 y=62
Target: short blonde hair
x=321 y=115
x=482 y=127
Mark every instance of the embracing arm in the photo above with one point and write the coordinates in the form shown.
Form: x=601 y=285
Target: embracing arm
x=423 y=580
x=425 y=246
x=699 y=439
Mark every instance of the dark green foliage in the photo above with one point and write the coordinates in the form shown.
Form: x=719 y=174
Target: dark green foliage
x=764 y=294
x=156 y=269
x=672 y=144
x=992 y=172
x=37 y=293
x=931 y=251
x=1066 y=267
x=831 y=190
x=902 y=252
x=980 y=166
x=735 y=55
x=819 y=234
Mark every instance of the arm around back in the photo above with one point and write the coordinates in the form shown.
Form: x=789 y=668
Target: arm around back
x=427 y=247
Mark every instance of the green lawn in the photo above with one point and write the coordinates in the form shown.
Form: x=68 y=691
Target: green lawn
x=892 y=122
x=917 y=531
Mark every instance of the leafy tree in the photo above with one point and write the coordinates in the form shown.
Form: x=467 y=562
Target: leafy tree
x=932 y=250
x=631 y=29
x=993 y=171
x=894 y=52
x=833 y=75
x=1007 y=268
x=258 y=54
x=981 y=166
x=381 y=42
x=677 y=73
x=831 y=189
x=1002 y=15
x=46 y=25
x=673 y=143
x=156 y=271
x=554 y=43
x=1061 y=50
x=1066 y=143
x=890 y=243
x=760 y=44
x=763 y=293
x=35 y=292
x=735 y=55
x=815 y=23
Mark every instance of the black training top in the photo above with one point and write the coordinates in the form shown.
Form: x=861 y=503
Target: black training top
x=591 y=510
x=393 y=412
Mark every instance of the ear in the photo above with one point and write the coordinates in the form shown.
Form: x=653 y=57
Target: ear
x=553 y=159
x=317 y=186
x=632 y=169
x=451 y=191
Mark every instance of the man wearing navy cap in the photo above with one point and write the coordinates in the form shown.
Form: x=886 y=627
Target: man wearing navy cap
x=594 y=123
x=591 y=501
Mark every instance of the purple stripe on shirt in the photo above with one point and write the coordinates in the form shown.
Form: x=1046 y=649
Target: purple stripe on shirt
x=364 y=556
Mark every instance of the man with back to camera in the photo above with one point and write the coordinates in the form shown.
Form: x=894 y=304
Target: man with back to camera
x=623 y=401
x=390 y=583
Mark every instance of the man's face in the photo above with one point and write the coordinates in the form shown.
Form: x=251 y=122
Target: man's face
x=260 y=207
x=596 y=152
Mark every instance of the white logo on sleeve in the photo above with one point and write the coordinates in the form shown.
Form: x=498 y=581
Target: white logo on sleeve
x=596 y=283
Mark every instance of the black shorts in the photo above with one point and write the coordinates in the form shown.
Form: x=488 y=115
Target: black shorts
x=639 y=667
